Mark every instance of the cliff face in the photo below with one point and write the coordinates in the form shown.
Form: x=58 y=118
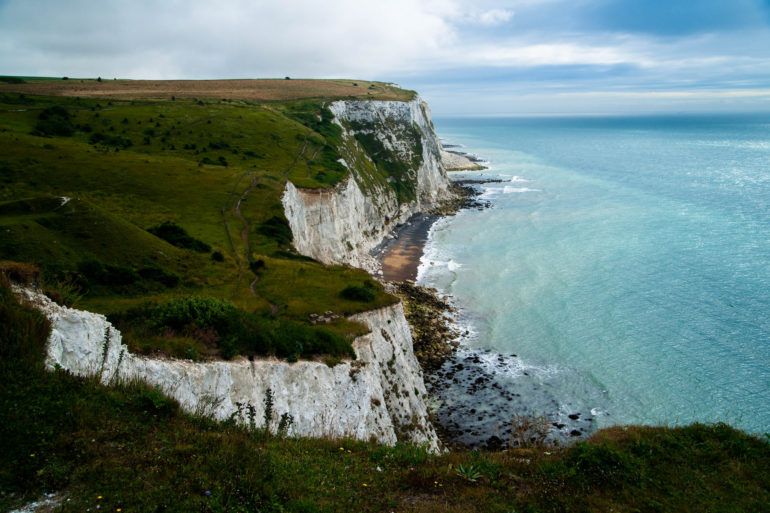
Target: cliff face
x=377 y=396
x=395 y=171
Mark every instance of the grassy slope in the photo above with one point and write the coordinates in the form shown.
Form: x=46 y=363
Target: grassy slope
x=118 y=193
x=130 y=448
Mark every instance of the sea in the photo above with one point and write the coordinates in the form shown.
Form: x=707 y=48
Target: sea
x=621 y=275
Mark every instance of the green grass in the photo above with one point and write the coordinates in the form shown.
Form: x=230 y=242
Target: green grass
x=129 y=447
x=130 y=166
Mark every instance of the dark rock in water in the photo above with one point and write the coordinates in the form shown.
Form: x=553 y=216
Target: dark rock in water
x=558 y=425
x=575 y=432
x=574 y=416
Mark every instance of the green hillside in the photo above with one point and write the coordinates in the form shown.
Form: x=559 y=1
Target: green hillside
x=86 y=186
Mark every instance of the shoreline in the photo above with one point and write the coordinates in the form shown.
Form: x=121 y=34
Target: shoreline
x=399 y=255
x=476 y=402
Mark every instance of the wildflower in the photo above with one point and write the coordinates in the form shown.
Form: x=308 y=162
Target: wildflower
x=207 y=492
x=350 y=451
x=99 y=497
x=365 y=484
x=342 y=448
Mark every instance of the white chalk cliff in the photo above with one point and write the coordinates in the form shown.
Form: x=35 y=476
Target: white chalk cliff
x=379 y=396
x=342 y=224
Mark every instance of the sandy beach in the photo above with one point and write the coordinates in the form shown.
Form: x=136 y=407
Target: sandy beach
x=400 y=256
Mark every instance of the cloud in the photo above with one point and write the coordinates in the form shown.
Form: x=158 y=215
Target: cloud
x=228 y=38
x=547 y=45
x=495 y=16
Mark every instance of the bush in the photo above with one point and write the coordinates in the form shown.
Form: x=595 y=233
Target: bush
x=114 y=277
x=219 y=145
x=178 y=236
x=202 y=311
x=55 y=120
x=110 y=140
x=256 y=266
x=219 y=162
x=356 y=293
x=217 y=256
x=277 y=229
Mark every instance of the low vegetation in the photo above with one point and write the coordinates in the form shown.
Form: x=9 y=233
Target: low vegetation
x=214 y=326
x=128 y=447
x=133 y=202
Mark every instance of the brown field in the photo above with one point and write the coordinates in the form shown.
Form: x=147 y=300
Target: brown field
x=238 y=89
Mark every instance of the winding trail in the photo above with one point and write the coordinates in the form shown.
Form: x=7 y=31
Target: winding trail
x=235 y=208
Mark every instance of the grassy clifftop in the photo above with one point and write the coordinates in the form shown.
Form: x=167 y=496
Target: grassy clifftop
x=260 y=90
x=86 y=185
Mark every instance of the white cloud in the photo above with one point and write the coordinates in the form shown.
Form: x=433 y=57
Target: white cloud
x=495 y=16
x=393 y=40
x=227 y=38
x=549 y=54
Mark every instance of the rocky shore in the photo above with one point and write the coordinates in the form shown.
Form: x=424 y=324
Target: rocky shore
x=475 y=400
x=454 y=160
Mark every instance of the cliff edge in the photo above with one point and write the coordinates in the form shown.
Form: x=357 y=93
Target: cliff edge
x=378 y=396
x=395 y=170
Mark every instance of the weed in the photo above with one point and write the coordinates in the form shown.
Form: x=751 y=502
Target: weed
x=529 y=430
x=105 y=348
x=469 y=472
x=284 y=424
x=268 y=414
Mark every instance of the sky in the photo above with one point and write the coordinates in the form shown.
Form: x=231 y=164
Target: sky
x=482 y=58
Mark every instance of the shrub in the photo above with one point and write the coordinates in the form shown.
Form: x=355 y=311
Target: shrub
x=21 y=273
x=178 y=236
x=217 y=256
x=219 y=162
x=277 y=229
x=201 y=311
x=114 y=277
x=219 y=145
x=55 y=120
x=256 y=266
x=153 y=402
x=288 y=255
x=115 y=141
x=356 y=293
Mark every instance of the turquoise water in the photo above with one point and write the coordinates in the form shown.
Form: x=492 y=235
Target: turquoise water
x=625 y=261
